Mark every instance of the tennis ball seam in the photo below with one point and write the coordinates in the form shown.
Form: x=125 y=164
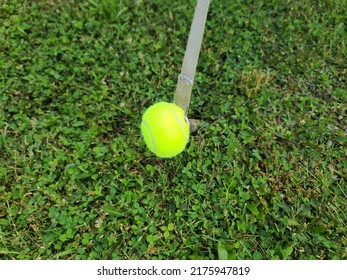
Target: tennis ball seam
x=151 y=135
x=186 y=137
x=187 y=121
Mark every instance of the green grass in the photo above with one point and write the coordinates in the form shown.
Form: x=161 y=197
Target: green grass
x=264 y=177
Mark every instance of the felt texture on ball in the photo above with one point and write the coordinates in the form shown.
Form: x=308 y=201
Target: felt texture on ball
x=165 y=129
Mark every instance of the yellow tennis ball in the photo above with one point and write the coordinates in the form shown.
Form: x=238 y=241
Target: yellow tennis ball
x=165 y=129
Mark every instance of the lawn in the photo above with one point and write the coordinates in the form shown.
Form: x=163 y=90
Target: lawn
x=263 y=177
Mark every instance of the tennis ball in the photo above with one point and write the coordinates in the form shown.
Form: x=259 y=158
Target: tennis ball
x=165 y=129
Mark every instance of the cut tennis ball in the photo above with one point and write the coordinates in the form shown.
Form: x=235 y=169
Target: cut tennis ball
x=165 y=129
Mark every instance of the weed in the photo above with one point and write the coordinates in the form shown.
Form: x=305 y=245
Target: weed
x=263 y=177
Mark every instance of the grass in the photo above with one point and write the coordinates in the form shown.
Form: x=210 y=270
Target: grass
x=264 y=177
